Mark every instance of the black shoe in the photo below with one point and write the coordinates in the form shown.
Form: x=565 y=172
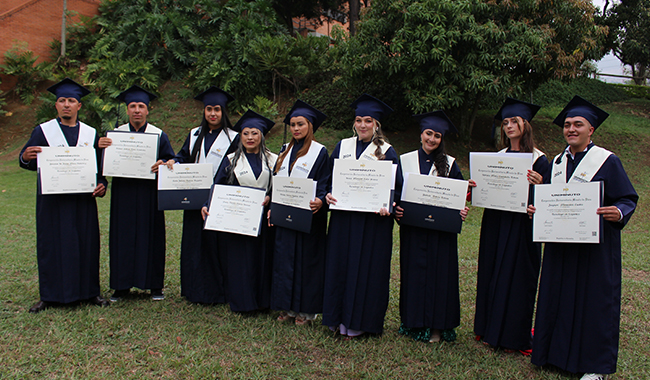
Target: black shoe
x=98 y=301
x=39 y=306
x=119 y=294
x=157 y=295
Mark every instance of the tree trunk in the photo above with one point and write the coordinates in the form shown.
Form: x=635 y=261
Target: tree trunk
x=354 y=16
x=63 y=31
x=472 y=118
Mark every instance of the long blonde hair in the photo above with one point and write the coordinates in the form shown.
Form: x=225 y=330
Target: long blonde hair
x=378 y=138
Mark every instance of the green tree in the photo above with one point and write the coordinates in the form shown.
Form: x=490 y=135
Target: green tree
x=629 y=22
x=311 y=9
x=460 y=54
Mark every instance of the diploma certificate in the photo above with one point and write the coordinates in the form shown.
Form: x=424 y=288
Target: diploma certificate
x=187 y=187
x=67 y=170
x=501 y=180
x=131 y=155
x=566 y=213
x=362 y=185
x=235 y=209
x=290 y=202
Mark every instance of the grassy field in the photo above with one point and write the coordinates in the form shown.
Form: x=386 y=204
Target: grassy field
x=174 y=339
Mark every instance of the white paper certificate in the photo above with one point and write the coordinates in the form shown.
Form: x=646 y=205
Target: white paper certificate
x=501 y=180
x=235 y=209
x=566 y=213
x=67 y=170
x=434 y=191
x=131 y=155
x=185 y=177
x=362 y=185
x=294 y=192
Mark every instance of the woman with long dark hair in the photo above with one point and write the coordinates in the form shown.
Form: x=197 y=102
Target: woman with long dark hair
x=214 y=139
x=508 y=260
x=359 y=244
x=247 y=260
x=299 y=257
x=429 y=292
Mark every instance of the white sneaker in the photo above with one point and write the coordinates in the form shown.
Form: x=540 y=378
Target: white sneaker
x=593 y=376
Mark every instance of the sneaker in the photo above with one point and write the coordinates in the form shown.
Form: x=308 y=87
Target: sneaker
x=119 y=294
x=157 y=295
x=593 y=376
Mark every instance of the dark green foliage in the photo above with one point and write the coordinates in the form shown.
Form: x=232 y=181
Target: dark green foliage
x=558 y=93
x=21 y=63
x=635 y=91
x=288 y=9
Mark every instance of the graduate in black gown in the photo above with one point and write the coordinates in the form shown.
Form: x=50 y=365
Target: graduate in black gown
x=137 y=233
x=214 y=139
x=246 y=259
x=429 y=294
x=67 y=228
x=359 y=244
x=299 y=257
x=577 y=324
x=508 y=260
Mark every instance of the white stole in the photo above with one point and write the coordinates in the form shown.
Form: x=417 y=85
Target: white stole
x=348 y=150
x=303 y=164
x=411 y=163
x=245 y=175
x=55 y=137
x=536 y=153
x=587 y=168
x=217 y=150
x=149 y=128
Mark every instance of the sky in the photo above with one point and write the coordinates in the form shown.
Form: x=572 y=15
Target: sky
x=609 y=64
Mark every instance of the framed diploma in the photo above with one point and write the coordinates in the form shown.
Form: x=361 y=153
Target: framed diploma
x=501 y=180
x=187 y=187
x=362 y=185
x=131 y=155
x=433 y=202
x=566 y=213
x=235 y=209
x=290 y=202
x=67 y=170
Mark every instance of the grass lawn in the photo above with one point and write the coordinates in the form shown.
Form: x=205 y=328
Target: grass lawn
x=139 y=338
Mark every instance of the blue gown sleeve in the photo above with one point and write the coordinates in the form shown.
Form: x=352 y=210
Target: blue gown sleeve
x=619 y=191
x=36 y=139
x=543 y=167
x=335 y=155
x=391 y=155
x=321 y=172
x=183 y=155
x=165 y=151
x=100 y=162
x=455 y=172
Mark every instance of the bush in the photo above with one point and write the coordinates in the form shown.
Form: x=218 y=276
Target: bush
x=635 y=91
x=20 y=63
x=559 y=93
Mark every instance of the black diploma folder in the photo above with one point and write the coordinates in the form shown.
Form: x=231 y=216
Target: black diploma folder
x=431 y=217
x=189 y=199
x=290 y=217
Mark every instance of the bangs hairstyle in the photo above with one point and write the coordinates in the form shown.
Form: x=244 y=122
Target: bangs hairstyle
x=526 y=143
x=303 y=151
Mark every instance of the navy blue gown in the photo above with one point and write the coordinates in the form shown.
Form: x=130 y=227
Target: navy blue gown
x=137 y=234
x=67 y=234
x=429 y=292
x=201 y=271
x=246 y=260
x=299 y=258
x=579 y=304
x=357 y=266
x=508 y=270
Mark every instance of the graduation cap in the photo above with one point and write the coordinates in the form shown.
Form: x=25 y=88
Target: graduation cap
x=136 y=93
x=310 y=113
x=214 y=96
x=68 y=88
x=367 y=105
x=436 y=121
x=252 y=119
x=581 y=107
x=514 y=107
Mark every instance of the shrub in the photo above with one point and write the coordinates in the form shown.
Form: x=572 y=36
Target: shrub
x=559 y=93
x=635 y=91
x=20 y=63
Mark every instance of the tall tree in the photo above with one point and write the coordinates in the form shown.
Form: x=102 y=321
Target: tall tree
x=629 y=22
x=460 y=54
x=310 y=9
